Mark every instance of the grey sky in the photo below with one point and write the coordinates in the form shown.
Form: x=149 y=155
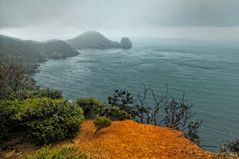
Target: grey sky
x=115 y=15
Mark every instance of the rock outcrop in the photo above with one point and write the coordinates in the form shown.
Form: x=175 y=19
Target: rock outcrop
x=125 y=43
x=95 y=40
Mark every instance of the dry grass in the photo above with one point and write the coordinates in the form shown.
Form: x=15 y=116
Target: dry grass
x=128 y=139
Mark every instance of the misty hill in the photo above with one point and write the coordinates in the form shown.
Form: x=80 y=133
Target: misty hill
x=95 y=40
x=24 y=52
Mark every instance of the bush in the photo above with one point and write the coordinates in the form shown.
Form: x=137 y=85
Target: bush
x=90 y=106
x=192 y=132
x=50 y=93
x=94 y=108
x=11 y=114
x=43 y=92
x=114 y=113
x=69 y=152
x=47 y=120
x=53 y=120
x=102 y=122
x=231 y=146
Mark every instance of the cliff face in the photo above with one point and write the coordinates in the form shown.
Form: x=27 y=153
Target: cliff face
x=95 y=40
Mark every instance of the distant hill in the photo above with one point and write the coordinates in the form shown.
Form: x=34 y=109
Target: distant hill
x=29 y=53
x=25 y=52
x=95 y=40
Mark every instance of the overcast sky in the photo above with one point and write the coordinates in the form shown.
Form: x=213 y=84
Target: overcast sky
x=46 y=19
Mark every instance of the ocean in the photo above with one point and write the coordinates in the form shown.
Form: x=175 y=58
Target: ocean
x=206 y=71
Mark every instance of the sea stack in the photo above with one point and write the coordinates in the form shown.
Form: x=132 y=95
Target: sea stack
x=125 y=43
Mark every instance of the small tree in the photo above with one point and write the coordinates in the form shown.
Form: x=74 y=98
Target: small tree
x=12 y=79
x=124 y=100
x=101 y=122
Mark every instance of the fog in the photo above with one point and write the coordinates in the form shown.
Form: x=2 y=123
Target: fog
x=62 y=19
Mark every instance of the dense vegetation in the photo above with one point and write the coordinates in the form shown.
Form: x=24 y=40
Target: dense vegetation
x=30 y=53
x=95 y=108
x=45 y=119
x=42 y=114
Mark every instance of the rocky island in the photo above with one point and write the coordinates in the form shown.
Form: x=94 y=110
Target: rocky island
x=125 y=43
x=95 y=40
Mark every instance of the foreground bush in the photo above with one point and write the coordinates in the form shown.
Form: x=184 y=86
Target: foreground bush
x=42 y=92
x=94 y=108
x=90 y=106
x=47 y=120
x=114 y=113
x=231 y=146
x=101 y=122
x=226 y=155
x=11 y=117
x=69 y=152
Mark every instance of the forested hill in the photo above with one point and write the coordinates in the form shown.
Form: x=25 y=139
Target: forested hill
x=24 y=52
x=95 y=40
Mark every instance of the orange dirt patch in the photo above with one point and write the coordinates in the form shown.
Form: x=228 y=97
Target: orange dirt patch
x=130 y=140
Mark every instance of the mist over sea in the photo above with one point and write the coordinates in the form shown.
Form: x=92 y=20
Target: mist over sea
x=207 y=71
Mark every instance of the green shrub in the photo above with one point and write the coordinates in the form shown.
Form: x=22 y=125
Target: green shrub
x=94 y=108
x=43 y=92
x=69 y=152
x=101 y=122
x=114 y=113
x=53 y=120
x=50 y=93
x=47 y=120
x=90 y=106
x=11 y=117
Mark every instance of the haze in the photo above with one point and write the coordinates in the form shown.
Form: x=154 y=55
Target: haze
x=62 y=19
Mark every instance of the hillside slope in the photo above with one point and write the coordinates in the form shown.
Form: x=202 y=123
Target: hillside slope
x=25 y=52
x=128 y=139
